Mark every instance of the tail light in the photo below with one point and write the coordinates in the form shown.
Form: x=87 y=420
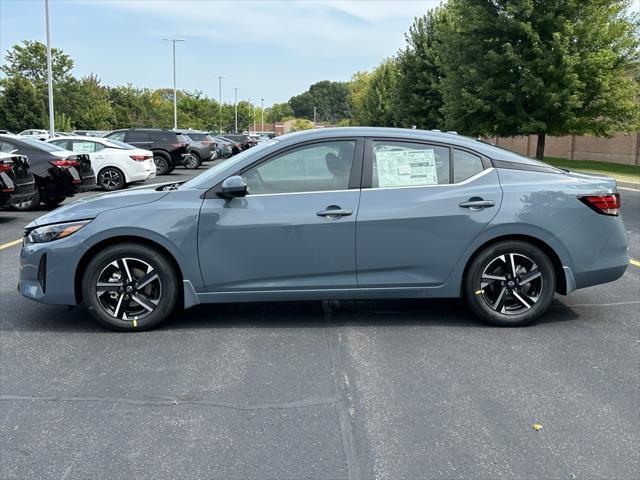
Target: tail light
x=64 y=163
x=603 y=204
x=206 y=142
x=6 y=165
x=140 y=158
x=178 y=145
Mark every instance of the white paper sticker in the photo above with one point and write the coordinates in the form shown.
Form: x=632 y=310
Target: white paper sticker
x=398 y=168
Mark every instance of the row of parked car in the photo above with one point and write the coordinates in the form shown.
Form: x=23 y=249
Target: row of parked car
x=35 y=170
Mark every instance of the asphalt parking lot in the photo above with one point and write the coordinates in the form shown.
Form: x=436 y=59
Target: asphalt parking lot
x=385 y=389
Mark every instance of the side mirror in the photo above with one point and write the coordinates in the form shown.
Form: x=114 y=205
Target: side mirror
x=233 y=187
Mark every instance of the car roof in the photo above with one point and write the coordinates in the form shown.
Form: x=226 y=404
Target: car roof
x=79 y=137
x=453 y=139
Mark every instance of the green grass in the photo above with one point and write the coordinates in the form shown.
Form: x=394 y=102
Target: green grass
x=624 y=173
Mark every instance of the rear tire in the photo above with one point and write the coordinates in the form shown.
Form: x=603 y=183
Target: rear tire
x=162 y=164
x=501 y=296
x=144 y=292
x=191 y=161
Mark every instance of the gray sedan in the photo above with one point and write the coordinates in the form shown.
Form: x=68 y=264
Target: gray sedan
x=348 y=213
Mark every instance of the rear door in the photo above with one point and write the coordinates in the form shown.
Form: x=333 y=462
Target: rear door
x=421 y=205
x=296 y=227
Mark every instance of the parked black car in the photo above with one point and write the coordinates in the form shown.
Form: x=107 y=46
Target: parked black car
x=201 y=146
x=243 y=140
x=17 y=184
x=169 y=147
x=58 y=173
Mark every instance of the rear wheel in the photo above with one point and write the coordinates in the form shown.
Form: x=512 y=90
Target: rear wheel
x=111 y=178
x=130 y=287
x=162 y=164
x=191 y=161
x=510 y=283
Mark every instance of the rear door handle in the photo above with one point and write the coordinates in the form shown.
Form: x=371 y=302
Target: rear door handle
x=334 y=211
x=478 y=204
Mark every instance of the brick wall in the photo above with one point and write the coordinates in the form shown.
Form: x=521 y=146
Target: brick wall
x=619 y=149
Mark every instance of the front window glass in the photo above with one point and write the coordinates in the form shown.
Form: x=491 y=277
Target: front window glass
x=401 y=164
x=312 y=168
x=137 y=136
x=49 y=147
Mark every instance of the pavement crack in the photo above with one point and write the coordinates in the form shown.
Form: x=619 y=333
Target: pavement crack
x=342 y=404
x=160 y=401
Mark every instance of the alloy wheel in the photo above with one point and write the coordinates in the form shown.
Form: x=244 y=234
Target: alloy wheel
x=110 y=179
x=129 y=289
x=511 y=284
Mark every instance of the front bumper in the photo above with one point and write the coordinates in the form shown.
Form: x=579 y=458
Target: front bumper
x=47 y=271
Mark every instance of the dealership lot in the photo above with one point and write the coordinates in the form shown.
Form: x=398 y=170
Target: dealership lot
x=385 y=389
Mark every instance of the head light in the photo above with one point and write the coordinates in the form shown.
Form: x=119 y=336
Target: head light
x=53 y=232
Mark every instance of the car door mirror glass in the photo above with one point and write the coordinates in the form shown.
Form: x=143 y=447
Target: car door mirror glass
x=233 y=187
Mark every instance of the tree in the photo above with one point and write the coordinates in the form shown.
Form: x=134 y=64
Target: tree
x=278 y=112
x=380 y=100
x=301 y=124
x=357 y=88
x=419 y=73
x=302 y=105
x=30 y=61
x=519 y=67
x=21 y=106
x=330 y=99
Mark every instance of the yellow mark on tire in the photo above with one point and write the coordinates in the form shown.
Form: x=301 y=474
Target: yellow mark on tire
x=633 y=261
x=11 y=244
x=135 y=322
x=478 y=292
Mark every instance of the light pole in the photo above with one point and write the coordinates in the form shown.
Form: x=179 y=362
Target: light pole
x=173 y=41
x=235 y=101
x=49 y=68
x=262 y=116
x=220 y=102
x=314 y=117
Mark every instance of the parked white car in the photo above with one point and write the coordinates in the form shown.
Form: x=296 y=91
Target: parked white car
x=35 y=133
x=116 y=163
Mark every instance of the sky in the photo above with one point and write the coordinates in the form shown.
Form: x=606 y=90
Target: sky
x=267 y=49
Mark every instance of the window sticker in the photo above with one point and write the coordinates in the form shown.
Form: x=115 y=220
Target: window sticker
x=397 y=168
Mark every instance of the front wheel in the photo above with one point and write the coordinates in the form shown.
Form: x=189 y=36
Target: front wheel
x=130 y=287
x=111 y=178
x=510 y=284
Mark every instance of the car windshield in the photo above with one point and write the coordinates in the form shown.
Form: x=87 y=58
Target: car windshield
x=204 y=179
x=119 y=144
x=49 y=147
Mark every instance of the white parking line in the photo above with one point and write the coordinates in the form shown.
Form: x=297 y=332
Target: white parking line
x=629 y=189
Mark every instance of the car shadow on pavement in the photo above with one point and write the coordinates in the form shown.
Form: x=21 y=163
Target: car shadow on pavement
x=313 y=314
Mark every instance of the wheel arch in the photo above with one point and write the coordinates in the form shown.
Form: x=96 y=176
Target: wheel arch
x=86 y=257
x=117 y=167
x=561 y=281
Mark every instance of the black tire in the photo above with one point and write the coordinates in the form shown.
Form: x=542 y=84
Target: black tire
x=165 y=287
x=163 y=164
x=111 y=179
x=32 y=204
x=499 y=297
x=192 y=161
x=53 y=202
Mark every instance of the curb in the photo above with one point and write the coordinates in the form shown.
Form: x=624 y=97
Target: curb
x=635 y=186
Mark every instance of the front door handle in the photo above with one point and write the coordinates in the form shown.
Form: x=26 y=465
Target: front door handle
x=477 y=204
x=334 y=211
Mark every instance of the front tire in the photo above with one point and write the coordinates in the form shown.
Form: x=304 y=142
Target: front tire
x=509 y=284
x=111 y=179
x=129 y=287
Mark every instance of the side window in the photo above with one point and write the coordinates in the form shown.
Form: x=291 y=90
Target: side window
x=165 y=137
x=62 y=144
x=84 y=146
x=137 y=136
x=312 y=168
x=399 y=164
x=119 y=136
x=465 y=165
x=6 y=147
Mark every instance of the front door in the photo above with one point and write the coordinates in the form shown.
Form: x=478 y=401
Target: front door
x=296 y=227
x=423 y=206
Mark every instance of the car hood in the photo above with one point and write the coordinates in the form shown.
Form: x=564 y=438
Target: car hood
x=90 y=207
